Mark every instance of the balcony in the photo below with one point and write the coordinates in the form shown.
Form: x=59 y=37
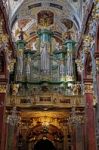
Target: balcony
x=46 y=100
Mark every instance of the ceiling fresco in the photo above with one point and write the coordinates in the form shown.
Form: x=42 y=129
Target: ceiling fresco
x=27 y=8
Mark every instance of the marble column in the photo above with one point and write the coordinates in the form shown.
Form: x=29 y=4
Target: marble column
x=97 y=108
x=74 y=137
x=97 y=73
x=15 y=139
x=79 y=137
x=65 y=138
x=85 y=136
x=90 y=115
x=2 y=108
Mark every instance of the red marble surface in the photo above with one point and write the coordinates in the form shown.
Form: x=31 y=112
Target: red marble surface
x=2 y=128
x=90 y=122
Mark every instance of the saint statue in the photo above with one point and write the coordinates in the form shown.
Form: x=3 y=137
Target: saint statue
x=20 y=62
x=44 y=58
x=34 y=46
x=58 y=47
x=62 y=69
x=28 y=67
x=92 y=28
x=69 y=64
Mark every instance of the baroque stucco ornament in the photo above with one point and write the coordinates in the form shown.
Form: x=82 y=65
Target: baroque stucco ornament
x=88 y=88
x=3 y=89
x=97 y=66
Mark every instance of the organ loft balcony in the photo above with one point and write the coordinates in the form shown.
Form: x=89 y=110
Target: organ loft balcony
x=45 y=73
x=46 y=99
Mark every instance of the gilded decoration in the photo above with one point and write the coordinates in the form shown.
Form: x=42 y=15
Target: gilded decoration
x=45 y=18
x=96 y=10
x=94 y=100
x=15 y=88
x=4 y=40
x=80 y=65
x=11 y=65
x=2 y=88
x=57 y=100
x=46 y=118
x=88 y=88
x=86 y=43
x=97 y=66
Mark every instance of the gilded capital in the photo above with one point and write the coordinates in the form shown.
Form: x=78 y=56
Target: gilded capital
x=2 y=88
x=97 y=66
x=88 y=88
x=94 y=100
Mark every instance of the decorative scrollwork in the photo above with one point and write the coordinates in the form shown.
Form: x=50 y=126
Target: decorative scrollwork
x=97 y=66
x=2 y=88
x=88 y=88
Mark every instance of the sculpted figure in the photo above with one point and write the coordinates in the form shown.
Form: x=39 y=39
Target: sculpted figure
x=77 y=89
x=44 y=57
x=20 y=62
x=34 y=46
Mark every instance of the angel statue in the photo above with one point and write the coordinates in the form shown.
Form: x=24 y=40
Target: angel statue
x=58 y=47
x=69 y=64
x=62 y=69
x=20 y=62
x=34 y=46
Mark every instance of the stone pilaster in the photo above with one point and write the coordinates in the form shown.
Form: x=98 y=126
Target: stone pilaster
x=79 y=137
x=97 y=110
x=2 y=108
x=90 y=123
x=65 y=138
x=74 y=137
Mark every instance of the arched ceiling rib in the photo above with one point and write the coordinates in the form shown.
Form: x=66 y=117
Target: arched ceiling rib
x=63 y=7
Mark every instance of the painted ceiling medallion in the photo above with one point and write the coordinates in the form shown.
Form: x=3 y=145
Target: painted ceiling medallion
x=45 y=18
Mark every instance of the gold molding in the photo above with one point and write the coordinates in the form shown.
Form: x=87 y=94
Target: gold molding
x=2 y=88
x=88 y=88
x=97 y=66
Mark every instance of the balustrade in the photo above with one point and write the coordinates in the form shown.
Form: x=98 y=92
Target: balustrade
x=46 y=100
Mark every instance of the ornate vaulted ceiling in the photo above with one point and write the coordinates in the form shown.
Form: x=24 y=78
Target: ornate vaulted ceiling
x=66 y=12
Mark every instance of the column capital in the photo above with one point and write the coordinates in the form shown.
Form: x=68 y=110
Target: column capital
x=3 y=88
x=88 y=87
x=97 y=65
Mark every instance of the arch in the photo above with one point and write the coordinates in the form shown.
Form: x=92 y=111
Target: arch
x=68 y=6
x=44 y=144
x=44 y=132
x=42 y=129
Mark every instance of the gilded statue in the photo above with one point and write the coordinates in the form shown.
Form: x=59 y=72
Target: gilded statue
x=76 y=89
x=15 y=88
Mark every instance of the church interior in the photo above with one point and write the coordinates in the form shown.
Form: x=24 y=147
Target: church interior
x=49 y=74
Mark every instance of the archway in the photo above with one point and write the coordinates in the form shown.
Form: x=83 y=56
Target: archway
x=44 y=145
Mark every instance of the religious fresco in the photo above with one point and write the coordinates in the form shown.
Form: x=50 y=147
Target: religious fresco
x=45 y=18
